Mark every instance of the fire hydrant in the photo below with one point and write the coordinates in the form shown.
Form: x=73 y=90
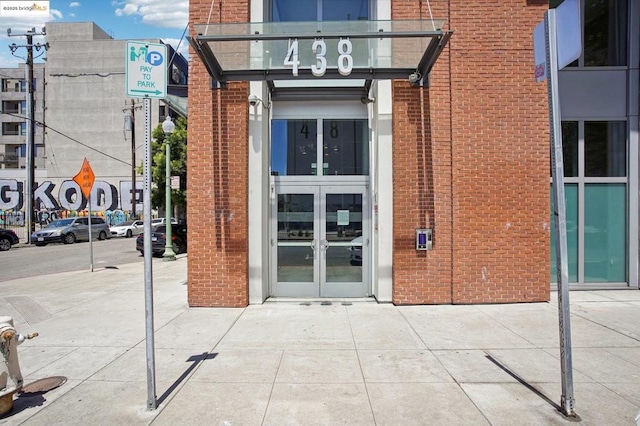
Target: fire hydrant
x=10 y=376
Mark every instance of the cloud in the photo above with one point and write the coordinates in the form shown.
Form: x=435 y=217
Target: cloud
x=74 y=4
x=157 y=13
x=20 y=25
x=183 y=49
x=9 y=61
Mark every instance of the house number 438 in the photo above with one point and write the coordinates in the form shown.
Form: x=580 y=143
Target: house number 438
x=319 y=47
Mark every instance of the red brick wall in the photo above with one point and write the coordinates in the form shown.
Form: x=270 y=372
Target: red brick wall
x=486 y=148
x=471 y=161
x=217 y=155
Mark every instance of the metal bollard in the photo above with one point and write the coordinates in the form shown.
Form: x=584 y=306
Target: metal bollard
x=10 y=376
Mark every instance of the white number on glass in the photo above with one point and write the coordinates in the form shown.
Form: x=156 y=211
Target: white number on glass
x=319 y=47
x=291 y=60
x=345 y=60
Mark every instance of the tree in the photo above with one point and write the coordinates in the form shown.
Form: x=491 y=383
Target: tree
x=178 y=140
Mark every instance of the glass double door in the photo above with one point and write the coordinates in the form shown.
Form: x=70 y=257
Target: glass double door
x=320 y=241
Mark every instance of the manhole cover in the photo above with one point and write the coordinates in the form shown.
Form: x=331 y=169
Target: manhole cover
x=44 y=385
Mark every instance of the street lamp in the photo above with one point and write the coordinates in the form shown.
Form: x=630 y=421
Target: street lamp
x=167 y=128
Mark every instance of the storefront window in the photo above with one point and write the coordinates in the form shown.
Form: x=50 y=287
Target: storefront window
x=570 y=148
x=345 y=147
x=605 y=33
x=605 y=233
x=293 y=147
x=605 y=149
x=319 y=10
x=595 y=162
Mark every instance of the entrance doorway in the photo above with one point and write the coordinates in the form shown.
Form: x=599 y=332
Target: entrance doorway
x=320 y=213
x=320 y=241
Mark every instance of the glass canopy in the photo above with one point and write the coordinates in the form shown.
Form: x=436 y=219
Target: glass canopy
x=368 y=50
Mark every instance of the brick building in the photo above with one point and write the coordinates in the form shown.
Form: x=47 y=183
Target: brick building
x=323 y=135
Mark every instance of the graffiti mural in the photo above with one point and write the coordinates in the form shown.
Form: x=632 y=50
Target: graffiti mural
x=53 y=201
x=67 y=196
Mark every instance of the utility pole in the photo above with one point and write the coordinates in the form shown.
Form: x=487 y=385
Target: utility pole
x=133 y=159
x=130 y=124
x=31 y=154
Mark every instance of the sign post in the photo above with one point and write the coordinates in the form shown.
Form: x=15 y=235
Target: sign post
x=553 y=50
x=146 y=77
x=85 y=179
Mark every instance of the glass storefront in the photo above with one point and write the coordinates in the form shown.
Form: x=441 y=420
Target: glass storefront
x=596 y=196
x=320 y=231
x=605 y=33
x=294 y=148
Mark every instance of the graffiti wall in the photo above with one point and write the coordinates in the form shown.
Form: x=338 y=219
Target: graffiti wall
x=53 y=201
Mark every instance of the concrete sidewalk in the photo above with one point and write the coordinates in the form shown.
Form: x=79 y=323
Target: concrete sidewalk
x=313 y=363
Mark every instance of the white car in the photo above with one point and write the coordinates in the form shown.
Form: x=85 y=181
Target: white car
x=356 y=251
x=161 y=220
x=127 y=229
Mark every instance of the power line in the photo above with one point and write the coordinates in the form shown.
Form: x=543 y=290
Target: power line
x=83 y=144
x=45 y=126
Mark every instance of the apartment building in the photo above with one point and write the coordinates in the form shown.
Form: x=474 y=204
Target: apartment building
x=399 y=150
x=14 y=99
x=87 y=114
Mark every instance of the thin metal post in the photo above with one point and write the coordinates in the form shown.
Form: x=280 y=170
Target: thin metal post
x=169 y=254
x=567 y=401
x=148 y=275
x=90 y=234
x=134 y=215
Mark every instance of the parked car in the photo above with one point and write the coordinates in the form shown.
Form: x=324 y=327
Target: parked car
x=7 y=239
x=70 y=230
x=127 y=229
x=356 y=252
x=161 y=220
x=158 y=239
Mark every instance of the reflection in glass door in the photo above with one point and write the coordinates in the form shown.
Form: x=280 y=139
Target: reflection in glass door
x=295 y=245
x=321 y=241
x=343 y=242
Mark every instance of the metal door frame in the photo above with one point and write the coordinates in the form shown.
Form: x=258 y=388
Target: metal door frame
x=320 y=287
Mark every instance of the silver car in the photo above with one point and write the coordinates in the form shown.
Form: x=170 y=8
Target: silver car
x=70 y=230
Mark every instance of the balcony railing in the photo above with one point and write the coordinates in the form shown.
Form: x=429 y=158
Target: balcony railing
x=9 y=161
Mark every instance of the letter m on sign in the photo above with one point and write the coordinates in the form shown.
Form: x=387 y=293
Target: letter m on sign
x=85 y=179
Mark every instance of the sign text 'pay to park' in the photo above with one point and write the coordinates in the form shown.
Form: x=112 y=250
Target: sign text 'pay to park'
x=146 y=69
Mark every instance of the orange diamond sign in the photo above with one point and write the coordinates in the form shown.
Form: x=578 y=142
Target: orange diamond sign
x=85 y=179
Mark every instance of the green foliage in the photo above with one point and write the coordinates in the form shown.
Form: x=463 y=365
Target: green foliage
x=178 y=144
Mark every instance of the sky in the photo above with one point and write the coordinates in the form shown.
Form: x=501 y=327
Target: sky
x=121 y=19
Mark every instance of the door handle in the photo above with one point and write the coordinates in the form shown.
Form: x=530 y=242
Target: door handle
x=324 y=244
